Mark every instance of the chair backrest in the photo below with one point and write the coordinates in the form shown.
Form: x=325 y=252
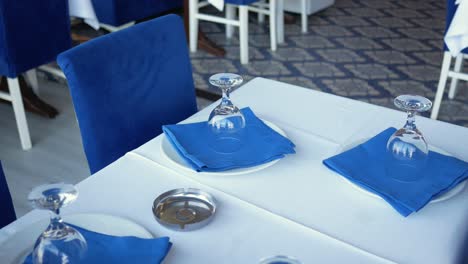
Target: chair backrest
x=7 y=211
x=119 y=12
x=127 y=84
x=32 y=33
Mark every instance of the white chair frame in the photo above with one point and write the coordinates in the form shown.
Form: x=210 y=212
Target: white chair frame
x=274 y=9
x=18 y=108
x=304 y=18
x=14 y=96
x=445 y=73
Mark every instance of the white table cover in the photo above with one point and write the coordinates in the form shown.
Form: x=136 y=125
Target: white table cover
x=239 y=233
x=301 y=189
x=84 y=9
x=456 y=37
x=296 y=207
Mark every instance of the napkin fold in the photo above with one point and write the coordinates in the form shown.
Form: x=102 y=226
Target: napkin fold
x=456 y=37
x=120 y=250
x=366 y=164
x=259 y=144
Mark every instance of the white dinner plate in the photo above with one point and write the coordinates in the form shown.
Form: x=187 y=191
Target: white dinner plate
x=19 y=245
x=171 y=154
x=439 y=198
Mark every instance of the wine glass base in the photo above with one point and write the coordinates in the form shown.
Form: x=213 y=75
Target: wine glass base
x=226 y=145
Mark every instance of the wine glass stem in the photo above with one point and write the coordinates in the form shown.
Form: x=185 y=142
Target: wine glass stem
x=55 y=220
x=225 y=100
x=410 y=121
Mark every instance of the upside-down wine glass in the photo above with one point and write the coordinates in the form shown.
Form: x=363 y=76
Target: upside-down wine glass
x=59 y=243
x=407 y=149
x=226 y=121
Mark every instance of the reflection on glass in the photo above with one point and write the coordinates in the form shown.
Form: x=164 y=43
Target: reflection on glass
x=226 y=121
x=407 y=149
x=59 y=243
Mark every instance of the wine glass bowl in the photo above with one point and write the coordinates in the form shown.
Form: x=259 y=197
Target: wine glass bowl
x=59 y=243
x=226 y=121
x=407 y=148
x=280 y=259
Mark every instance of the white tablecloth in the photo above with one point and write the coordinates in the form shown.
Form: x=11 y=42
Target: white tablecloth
x=301 y=189
x=84 y=9
x=456 y=37
x=239 y=233
x=296 y=207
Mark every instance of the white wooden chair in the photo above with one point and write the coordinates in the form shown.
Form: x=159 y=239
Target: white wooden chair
x=456 y=73
x=304 y=18
x=445 y=73
x=272 y=9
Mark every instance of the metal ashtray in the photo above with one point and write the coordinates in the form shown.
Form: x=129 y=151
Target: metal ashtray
x=184 y=209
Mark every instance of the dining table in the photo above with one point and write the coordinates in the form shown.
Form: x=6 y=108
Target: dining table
x=295 y=207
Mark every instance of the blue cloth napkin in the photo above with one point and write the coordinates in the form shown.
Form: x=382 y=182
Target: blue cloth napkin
x=120 y=250
x=365 y=165
x=260 y=144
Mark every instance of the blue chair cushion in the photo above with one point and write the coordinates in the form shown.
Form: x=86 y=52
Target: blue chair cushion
x=7 y=210
x=127 y=84
x=119 y=12
x=451 y=9
x=32 y=33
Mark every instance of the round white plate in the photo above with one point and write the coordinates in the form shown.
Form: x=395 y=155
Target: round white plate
x=441 y=197
x=20 y=244
x=171 y=154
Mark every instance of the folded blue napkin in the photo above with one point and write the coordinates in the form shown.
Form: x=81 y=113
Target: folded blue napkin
x=260 y=144
x=365 y=165
x=120 y=250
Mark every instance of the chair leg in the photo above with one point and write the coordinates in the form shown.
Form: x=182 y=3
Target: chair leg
x=261 y=17
x=304 y=15
x=31 y=78
x=280 y=20
x=244 y=33
x=231 y=15
x=20 y=116
x=441 y=86
x=193 y=21
x=454 y=82
x=273 y=29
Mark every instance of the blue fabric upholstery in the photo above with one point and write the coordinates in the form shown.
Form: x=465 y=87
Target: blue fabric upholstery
x=451 y=9
x=127 y=84
x=119 y=12
x=240 y=2
x=7 y=212
x=32 y=33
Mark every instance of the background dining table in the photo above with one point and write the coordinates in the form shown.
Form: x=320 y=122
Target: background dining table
x=296 y=207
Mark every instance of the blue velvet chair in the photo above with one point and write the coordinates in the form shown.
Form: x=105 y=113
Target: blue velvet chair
x=32 y=33
x=7 y=211
x=119 y=12
x=445 y=71
x=127 y=84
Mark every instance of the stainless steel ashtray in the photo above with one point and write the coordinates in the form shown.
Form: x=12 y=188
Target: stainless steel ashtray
x=184 y=209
